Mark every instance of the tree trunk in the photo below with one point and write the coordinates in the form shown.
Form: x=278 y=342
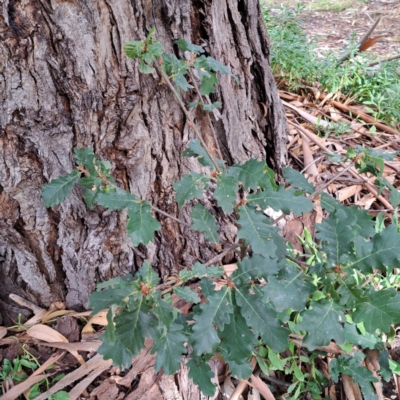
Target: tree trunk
x=65 y=82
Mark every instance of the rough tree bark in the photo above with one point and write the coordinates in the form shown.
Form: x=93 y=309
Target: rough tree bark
x=65 y=82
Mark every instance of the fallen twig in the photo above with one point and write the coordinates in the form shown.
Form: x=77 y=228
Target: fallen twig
x=384 y=60
x=360 y=43
x=352 y=171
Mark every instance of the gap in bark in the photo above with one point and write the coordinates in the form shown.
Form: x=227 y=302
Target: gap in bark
x=16 y=23
x=242 y=11
x=197 y=21
x=53 y=248
x=242 y=59
x=32 y=244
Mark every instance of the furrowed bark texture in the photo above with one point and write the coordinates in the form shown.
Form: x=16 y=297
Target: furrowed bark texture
x=65 y=82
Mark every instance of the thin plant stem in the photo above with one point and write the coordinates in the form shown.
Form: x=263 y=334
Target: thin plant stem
x=185 y=111
x=160 y=211
x=326 y=184
x=174 y=281
x=170 y=216
x=196 y=87
x=384 y=60
x=360 y=43
x=222 y=255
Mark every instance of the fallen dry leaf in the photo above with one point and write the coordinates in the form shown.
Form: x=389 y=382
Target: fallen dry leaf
x=369 y=42
x=96 y=363
x=347 y=192
x=22 y=387
x=308 y=159
x=98 y=319
x=54 y=314
x=50 y=335
x=45 y=333
x=3 y=331
x=262 y=387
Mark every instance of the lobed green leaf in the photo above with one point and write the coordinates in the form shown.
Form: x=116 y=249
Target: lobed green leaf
x=184 y=45
x=187 y=294
x=133 y=325
x=382 y=252
x=379 y=311
x=101 y=300
x=169 y=348
x=289 y=290
x=141 y=224
x=216 y=312
x=196 y=150
x=281 y=199
x=117 y=199
x=191 y=186
x=201 y=373
x=262 y=320
x=251 y=175
x=365 y=341
x=116 y=352
x=164 y=311
x=323 y=321
x=134 y=49
x=337 y=233
x=59 y=189
x=225 y=193
x=85 y=156
x=203 y=221
x=199 y=270
x=255 y=267
x=237 y=341
x=256 y=231
x=352 y=366
x=297 y=180
x=147 y=275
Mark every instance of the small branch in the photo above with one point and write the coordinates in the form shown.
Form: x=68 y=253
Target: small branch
x=384 y=60
x=274 y=380
x=278 y=219
x=365 y=117
x=352 y=171
x=222 y=255
x=173 y=281
x=311 y=163
x=301 y=264
x=326 y=184
x=167 y=284
x=371 y=277
x=207 y=114
x=360 y=43
x=170 y=216
x=185 y=111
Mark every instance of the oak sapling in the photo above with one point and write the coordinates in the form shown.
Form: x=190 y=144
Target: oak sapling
x=272 y=293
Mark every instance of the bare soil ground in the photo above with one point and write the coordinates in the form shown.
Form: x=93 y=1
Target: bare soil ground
x=330 y=24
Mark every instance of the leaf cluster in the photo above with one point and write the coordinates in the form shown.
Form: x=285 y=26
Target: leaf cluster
x=180 y=70
x=324 y=294
x=99 y=186
x=268 y=296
